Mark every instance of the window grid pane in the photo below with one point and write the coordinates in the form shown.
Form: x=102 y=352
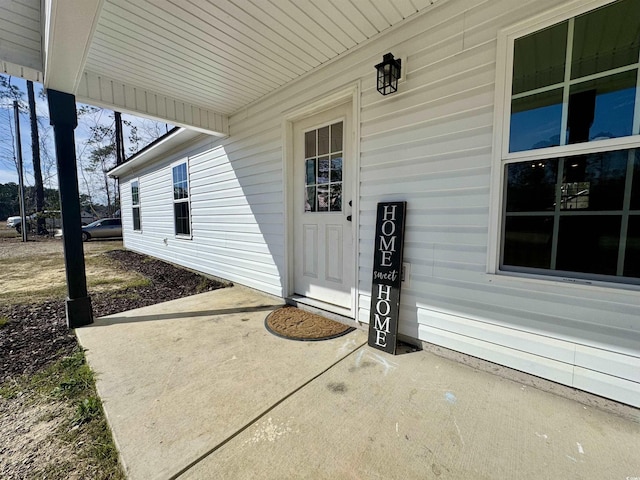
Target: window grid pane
x=181 y=217
x=590 y=198
x=597 y=108
x=135 y=193
x=136 y=218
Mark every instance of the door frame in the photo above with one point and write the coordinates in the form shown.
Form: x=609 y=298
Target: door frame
x=347 y=94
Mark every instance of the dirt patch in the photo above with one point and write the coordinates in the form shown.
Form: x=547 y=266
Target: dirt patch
x=297 y=324
x=27 y=445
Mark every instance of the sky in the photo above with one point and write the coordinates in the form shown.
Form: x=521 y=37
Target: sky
x=8 y=172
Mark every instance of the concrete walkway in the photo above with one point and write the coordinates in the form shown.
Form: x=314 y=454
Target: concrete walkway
x=196 y=388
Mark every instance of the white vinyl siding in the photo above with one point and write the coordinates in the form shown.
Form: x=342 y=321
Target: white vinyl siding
x=234 y=236
x=430 y=144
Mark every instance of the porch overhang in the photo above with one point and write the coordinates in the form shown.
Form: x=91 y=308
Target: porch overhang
x=191 y=64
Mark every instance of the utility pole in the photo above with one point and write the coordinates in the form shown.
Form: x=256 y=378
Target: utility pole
x=23 y=213
x=119 y=138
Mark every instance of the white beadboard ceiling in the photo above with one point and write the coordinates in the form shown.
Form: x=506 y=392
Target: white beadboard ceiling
x=209 y=58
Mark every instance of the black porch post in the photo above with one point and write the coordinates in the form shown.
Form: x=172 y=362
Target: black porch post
x=62 y=114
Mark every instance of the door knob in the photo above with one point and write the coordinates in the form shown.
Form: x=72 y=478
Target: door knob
x=348 y=218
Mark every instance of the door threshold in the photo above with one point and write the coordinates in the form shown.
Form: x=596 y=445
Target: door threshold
x=332 y=312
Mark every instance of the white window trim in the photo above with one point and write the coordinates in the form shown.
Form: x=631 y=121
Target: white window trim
x=502 y=113
x=138 y=206
x=182 y=236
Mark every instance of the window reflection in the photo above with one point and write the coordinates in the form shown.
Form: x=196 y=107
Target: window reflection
x=548 y=201
x=531 y=186
x=536 y=121
x=594 y=182
x=601 y=109
x=606 y=38
x=539 y=59
x=603 y=43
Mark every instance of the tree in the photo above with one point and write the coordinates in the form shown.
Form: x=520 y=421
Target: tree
x=9 y=200
x=35 y=156
x=101 y=160
x=97 y=157
x=144 y=132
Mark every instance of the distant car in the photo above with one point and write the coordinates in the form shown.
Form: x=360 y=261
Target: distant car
x=13 y=222
x=104 y=228
x=51 y=218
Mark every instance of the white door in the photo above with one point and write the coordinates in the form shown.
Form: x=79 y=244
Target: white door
x=323 y=228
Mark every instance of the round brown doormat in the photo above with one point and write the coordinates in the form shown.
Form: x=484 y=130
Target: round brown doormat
x=296 y=324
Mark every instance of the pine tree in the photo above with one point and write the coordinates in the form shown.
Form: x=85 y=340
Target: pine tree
x=35 y=153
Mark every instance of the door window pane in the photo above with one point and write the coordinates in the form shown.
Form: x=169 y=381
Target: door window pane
x=323 y=170
x=531 y=186
x=311 y=172
x=336 y=168
x=336 y=137
x=323 y=198
x=310 y=199
x=335 y=203
x=323 y=141
x=527 y=241
x=310 y=144
x=589 y=244
x=606 y=38
x=539 y=59
x=602 y=108
x=536 y=121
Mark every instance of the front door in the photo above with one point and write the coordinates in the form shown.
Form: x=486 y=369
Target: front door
x=323 y=228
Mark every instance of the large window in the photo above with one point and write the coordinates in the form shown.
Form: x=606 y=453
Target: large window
x=135 y=204
x=181 y=200
x=572 y=159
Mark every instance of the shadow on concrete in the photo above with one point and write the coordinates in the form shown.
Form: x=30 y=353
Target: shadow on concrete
x=115 y=320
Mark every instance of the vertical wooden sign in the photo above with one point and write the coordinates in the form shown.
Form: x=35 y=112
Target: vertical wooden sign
x=387 y=276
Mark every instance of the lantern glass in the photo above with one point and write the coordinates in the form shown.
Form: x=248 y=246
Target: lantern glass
x=388 y=74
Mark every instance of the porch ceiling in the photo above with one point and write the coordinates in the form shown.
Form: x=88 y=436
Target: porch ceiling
x=189 y=62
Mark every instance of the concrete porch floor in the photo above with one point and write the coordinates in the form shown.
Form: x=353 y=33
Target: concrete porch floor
x=196 y=388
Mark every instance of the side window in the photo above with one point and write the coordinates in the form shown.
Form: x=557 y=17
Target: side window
x=135 y=204
x=572 y=161
x=181 y=216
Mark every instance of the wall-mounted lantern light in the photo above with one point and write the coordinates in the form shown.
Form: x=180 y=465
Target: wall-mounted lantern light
x=388 y=74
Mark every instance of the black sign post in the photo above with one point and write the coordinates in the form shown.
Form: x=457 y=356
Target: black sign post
x=387 y=276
